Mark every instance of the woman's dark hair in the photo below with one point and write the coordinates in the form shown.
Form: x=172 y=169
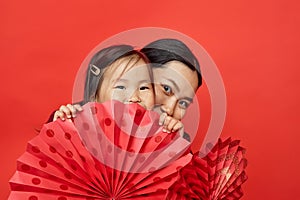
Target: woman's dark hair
x=162 y=51
x=102 y=59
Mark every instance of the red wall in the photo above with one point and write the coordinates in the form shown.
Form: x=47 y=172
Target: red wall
x=254 y=43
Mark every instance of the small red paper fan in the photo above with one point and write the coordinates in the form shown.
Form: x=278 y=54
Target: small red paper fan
x=112 y=151
x=217 y=176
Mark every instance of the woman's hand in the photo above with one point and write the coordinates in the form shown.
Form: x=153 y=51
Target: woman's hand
x=169 y=123
x=67 y=112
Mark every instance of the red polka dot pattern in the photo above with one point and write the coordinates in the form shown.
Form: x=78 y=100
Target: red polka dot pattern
x=158 y=139
x=61 y=164
x=68 y=175
x=74 y=168
x=35 y=149
x=68 y=136
x=64 y=187
x=69 y=154
x=43 y=164
x=36 y=181
x=156 y=179
x=107 y=122
x=52 y=149
x=50 y=133
x=33 y=198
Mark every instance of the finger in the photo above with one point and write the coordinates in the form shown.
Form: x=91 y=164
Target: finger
x=166 y=123
x=72 y=110
x=78 y=107
x=58 y=114
x=177 y=126
x=171 y=124
x=162 y=118
x=66 y=111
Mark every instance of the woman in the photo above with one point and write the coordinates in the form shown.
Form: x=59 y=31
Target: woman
x=176 y=74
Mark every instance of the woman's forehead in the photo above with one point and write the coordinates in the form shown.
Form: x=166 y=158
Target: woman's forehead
x=177 y=72
x=180 y=86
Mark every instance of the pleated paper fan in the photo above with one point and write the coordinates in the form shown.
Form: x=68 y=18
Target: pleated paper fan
x=217 y=176
x=111 y=151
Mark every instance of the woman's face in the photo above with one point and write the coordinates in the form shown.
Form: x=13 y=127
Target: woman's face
x=175 y=87
x=127 y=81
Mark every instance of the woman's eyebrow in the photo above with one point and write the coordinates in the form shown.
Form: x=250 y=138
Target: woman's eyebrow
x=188 y=99
x=174 y=83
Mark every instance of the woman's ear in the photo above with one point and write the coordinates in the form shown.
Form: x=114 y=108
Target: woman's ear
x=93 y=98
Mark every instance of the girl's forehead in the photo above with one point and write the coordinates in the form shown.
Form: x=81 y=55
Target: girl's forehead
x=122 y=66
x=126 y=63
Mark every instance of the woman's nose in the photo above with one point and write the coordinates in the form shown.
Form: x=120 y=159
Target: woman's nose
x=169 y=106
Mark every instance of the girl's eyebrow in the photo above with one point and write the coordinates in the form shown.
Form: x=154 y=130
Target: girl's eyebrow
x=122 y=80
x=140 y=81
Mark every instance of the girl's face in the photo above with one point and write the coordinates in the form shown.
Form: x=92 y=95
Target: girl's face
x=175 y=87
x=127 y=80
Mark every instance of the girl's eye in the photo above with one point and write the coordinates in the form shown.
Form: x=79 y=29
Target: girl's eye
x=144 y=88
x=167 y=89
x=183 y=104
x=120 y=87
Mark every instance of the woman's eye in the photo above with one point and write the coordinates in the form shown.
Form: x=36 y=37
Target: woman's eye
x=183 y=104
x=120 y=87
x=167 y=89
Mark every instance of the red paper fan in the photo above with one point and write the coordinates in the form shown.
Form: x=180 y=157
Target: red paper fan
x=217 y=176
x=112 y=151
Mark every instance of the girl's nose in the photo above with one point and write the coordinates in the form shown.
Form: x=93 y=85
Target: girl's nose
x=135 y=98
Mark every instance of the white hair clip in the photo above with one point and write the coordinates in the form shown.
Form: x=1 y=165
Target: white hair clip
x=95 y=70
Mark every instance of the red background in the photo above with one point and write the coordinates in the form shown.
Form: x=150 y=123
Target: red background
x=254 y=43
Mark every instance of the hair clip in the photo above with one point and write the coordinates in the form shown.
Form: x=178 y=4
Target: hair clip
x=95 y=70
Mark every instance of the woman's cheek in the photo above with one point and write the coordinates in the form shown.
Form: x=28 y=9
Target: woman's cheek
x=148 y=99
x=179 y=113
x=159 y=97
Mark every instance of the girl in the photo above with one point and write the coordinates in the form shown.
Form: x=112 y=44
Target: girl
x=118 y=73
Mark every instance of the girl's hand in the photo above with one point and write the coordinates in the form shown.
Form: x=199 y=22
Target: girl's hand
x=169 y=123
x=67 y=112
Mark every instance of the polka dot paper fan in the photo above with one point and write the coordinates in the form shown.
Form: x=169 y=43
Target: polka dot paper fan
x=111 y=151
x=217 y=176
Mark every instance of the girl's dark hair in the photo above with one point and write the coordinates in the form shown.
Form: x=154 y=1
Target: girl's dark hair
x=162 y=51
x=102 y=59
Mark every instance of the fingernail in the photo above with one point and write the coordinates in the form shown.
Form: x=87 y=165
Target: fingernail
x=69 y=116
x=160 y=123
x=164 y=130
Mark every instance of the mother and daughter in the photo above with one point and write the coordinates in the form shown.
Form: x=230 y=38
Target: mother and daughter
x=163 y=76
